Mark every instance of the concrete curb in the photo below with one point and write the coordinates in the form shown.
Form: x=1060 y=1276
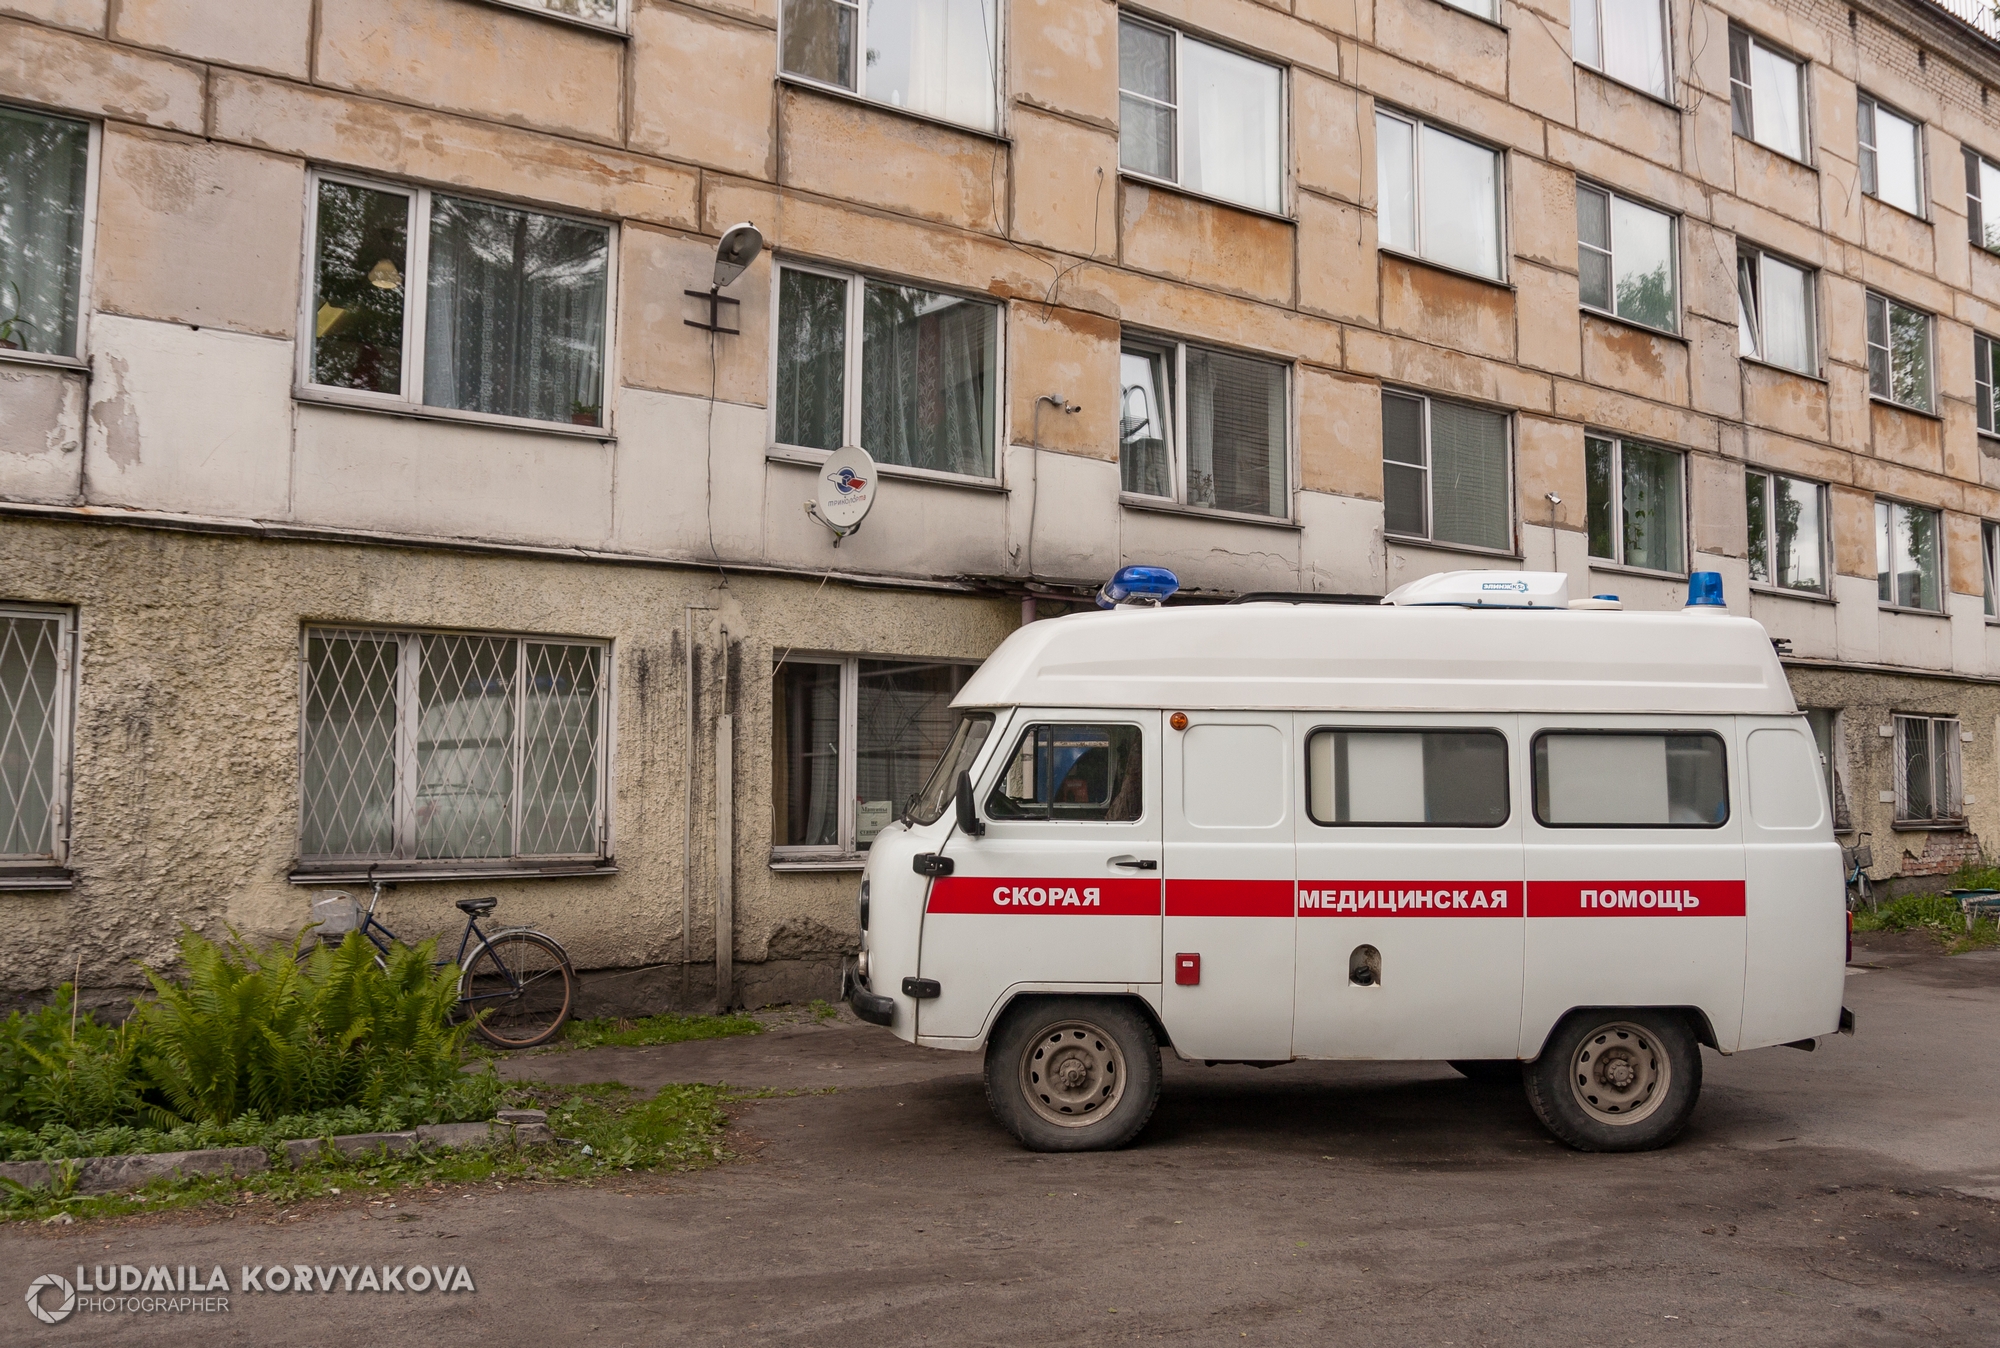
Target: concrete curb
x=111 y=1174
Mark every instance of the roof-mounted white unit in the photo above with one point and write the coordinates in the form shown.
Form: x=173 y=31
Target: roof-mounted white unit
x=1485 y=589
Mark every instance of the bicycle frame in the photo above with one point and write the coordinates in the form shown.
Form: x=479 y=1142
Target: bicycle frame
x=371 y=925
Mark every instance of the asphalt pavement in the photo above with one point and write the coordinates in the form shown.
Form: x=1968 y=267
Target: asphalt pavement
x=1846 y=1196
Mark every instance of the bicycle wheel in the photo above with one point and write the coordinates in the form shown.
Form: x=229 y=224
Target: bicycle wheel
x=520 y=988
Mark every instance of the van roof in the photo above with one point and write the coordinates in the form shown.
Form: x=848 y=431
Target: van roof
x=1279 y=656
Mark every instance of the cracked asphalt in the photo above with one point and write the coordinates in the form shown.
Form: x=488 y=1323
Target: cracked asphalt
x=1848 y=1196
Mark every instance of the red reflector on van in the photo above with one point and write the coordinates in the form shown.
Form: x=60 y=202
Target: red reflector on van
x=1187 y=970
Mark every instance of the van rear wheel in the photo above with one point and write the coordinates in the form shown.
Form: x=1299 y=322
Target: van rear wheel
x=1073 y=1073
x=1616 y=1080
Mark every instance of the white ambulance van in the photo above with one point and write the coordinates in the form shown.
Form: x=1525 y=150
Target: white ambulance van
x=1476 y=823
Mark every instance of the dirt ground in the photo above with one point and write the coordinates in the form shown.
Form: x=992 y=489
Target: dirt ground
x=1848 y=1196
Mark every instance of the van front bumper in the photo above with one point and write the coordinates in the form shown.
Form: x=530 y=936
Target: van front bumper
x=872 y=1007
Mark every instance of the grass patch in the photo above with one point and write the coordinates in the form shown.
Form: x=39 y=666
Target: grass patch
x=1938 y=915
x=610 y=1032
x=611 y=1129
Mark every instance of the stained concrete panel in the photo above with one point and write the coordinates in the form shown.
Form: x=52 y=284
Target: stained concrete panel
x=41 y=432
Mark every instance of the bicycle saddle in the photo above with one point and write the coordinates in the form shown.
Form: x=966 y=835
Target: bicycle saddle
x=475 y=907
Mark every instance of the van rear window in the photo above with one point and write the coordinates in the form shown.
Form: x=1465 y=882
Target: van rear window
x=1616 y=779
x=1072 y=772
x=1440 y=778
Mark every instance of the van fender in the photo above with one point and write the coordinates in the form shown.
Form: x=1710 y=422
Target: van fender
x=1145 y=995
x=1697 y=1019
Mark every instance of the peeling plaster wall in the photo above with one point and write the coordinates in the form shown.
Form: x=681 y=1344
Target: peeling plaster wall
x=187 y=739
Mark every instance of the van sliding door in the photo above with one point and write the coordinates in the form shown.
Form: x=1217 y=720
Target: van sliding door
x=1410 y=897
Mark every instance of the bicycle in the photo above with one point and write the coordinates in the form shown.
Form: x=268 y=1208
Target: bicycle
x=518 y=986
x=1856 y=860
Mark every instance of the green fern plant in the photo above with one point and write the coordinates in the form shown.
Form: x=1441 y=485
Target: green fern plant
x=57 y=1067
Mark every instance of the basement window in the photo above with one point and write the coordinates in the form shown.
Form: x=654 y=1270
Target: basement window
x=1928 y=783
x=37 y=699
x=443 y=750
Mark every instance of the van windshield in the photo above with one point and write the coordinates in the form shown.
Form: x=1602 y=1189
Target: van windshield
x=966 y=741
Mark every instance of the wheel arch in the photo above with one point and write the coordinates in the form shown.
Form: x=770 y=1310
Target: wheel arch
x=1696 y=1019
x=1027 y=995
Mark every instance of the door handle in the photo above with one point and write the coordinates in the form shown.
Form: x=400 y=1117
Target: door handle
x=1135 y=863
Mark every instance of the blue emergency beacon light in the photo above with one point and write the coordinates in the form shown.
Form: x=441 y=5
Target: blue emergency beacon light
x=1150 y=586
x=1705 y=590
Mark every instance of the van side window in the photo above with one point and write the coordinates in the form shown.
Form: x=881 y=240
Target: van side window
x=1085 y=773
x=1615 y=779
x=1443 y=778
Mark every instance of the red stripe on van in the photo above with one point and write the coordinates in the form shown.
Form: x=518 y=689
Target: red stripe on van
x=1635 y=898
x=1410 y=898
x=1229 y=898
x=1115 y=896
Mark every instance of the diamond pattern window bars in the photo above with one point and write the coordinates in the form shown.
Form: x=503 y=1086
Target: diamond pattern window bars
x=35 y=665
x=437 y=747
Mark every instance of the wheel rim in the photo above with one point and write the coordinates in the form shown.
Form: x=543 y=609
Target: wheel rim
x=523 y=1009
x=1620 y=1073
x=1072 y=1074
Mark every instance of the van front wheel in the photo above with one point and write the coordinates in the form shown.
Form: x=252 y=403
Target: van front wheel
x=1073 y=1073
x=1616 y=1080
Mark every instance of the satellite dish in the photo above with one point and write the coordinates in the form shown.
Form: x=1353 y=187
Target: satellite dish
x=846 y=490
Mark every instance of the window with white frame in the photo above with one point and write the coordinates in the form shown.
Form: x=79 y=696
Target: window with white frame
x=1909 y=556
x=1625 y=39
x=599 y=13
x=1626 y=261
x=1929 y=787
x=909 y=374
x=1775 y=312
x=1982 y=200
x=1989 y=556
x=1439 y=195
x=853 y=739
x=1767 y=94
x=1203 y=428
x=1825 y=723
x=443 y=748
x=1892 y=156
x=1445 y=472
x=1201 y=116
x=417 y=298
x=1635 y=504
x=1985 y=376
x=1899 y=353
x=37 y=660
x=940 y=58
x=1788 y=542
x=44 y=190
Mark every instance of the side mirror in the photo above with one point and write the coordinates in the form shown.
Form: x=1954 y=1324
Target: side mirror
x=969 y=822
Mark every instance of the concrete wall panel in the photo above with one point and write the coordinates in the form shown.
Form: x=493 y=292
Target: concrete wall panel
x=268 y=35
x=62 y=70
x=1072 y=355
x=684 y=478
x=41 y=433
x=658 y=350
x=1064 y=57
x=841 y=148
x=1065 y=185
x=83 y=15
x=706 y=93
x=1206 y=243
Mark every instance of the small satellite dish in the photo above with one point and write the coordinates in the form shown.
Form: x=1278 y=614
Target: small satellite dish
x=846 y=491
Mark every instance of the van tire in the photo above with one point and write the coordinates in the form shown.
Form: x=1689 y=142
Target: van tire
x=1488 y=1069
x=1616 y=1080
x=1110 y=1060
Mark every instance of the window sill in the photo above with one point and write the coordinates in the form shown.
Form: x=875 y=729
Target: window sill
x=1929 y=826
x=1776 y=153
x=1920 y=219
x=317 y=397
x=1498 y=283
x=1939 y=614
x=852 y=861
x=1156 y=506
x=1620 y=569
x=1879 y=401
x=43 y=359
x=1589 y=311
x=1468 y=549
x=568 y=20
x=811 y=85
x=1168 y=185
x=813 y=458
x=1490 y=23
x=36 y=878
x=1647 y=94
x=1780 y=592
x=405 y=872
x=1761 y=364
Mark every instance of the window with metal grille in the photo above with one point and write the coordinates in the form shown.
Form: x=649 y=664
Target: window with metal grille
x=437 y=748
x=36 y=660
x=1928 y=785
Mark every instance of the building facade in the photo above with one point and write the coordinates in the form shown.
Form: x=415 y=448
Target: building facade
x=382 y=492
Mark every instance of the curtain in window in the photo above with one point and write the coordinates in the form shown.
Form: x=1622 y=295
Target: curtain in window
x=1396 y=182
x=30 y=684
x=903 y=720
x=812 y=359
x=1774 y=92
x=1634 y=44
x=1460 y=196
x=935 y=57
x=1230 y=139
x=1651 y=492
x=363 y=242
x=805 y=759
x=1788 y=325
x=515 y=321
x=1469 y=495
x=43 y=162
x=464 y=805
x=1988 y=186
x=927 y=380
x=1897 y=160
x=1236 y=433
x=819 y=40
x=1146 y=131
